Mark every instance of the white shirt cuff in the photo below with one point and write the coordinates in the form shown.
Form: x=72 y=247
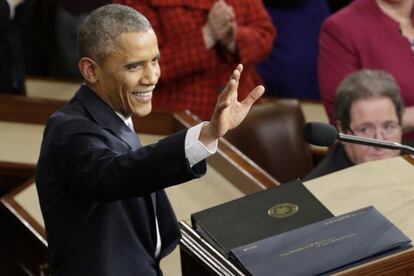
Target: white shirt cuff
x=195 y=151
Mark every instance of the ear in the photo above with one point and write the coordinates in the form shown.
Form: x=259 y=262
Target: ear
x=88 y=68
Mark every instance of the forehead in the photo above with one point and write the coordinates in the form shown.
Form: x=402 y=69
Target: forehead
x=374 y=110
x=142 y=45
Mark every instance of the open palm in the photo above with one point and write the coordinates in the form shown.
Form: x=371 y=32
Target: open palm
x=229 y=112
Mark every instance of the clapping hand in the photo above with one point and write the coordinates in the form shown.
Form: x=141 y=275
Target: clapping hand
x=221 y=24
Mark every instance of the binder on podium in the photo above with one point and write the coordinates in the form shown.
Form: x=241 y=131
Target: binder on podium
x=258 y=216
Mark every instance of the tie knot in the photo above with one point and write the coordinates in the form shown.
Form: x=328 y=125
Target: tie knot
x=130 y=125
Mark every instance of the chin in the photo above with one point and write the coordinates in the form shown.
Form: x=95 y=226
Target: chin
x=389 y=155
x=384 y=155
x=142 y=111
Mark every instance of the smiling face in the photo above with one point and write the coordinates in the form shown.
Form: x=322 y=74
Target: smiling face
x=126 y=78
x=372 y=118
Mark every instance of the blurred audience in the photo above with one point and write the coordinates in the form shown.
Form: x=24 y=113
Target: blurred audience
x=201 y=42
x=375 y=34
x=367 y=104
x=11 y=51
x=69 y=16
x=336 y=5
x=290 y=70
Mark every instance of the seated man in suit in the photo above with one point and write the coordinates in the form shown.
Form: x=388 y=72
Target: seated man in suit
x=11 y=51
x=100 y=191
x=367 y=104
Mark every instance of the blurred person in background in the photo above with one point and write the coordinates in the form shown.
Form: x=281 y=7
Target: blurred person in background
x=291 y=68
x=69 y=16
x=372 y=34
x=11 y=51
x=201 y=42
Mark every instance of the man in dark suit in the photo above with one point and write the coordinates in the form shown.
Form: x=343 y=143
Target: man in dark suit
x=11 y=51
x=100 y=191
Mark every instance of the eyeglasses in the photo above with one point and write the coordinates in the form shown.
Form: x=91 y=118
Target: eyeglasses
x=387 y=129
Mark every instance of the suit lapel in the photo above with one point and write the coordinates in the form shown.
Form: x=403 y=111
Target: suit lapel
x=105 y=117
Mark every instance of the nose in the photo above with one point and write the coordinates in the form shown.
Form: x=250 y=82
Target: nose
x=150 y=75
x=379 y=134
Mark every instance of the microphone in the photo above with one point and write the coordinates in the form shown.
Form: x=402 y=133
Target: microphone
x=321 y=134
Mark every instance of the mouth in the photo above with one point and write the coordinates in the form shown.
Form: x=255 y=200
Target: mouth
x=145 y=96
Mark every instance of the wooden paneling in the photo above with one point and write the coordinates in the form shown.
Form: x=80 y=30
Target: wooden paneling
x=13 y=174
x=22 y=237
x=27 y=110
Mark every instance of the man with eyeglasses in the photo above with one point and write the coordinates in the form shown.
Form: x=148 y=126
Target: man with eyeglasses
x=367 y=104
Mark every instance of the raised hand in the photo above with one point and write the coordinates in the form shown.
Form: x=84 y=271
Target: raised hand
x=229 y=112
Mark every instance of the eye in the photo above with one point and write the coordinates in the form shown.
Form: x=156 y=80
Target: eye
x=390 y=125
x=155 y=61
x=134 y=66
x=363 y=129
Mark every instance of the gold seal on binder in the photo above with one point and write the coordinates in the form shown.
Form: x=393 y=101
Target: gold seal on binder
x=283 y=210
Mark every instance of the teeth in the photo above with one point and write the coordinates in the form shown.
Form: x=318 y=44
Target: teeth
x=140 y=93
x=143 y=96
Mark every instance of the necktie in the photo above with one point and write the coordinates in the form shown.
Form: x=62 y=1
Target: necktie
x=154 y=203
x=130 y=125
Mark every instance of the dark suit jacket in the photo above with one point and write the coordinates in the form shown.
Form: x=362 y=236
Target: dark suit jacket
x=11 y=54
x=94 y=182
x=336 y=160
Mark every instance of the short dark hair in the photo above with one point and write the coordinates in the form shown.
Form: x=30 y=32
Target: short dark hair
x=366 y=84
x=104 y=25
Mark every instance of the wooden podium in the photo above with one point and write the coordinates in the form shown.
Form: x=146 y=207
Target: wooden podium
x=387 y=184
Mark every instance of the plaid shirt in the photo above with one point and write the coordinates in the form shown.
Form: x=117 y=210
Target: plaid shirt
x=192 y=76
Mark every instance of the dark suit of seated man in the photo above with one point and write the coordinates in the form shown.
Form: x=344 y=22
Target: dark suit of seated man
x=367 y=104
x=11 y=52
x=101 y=192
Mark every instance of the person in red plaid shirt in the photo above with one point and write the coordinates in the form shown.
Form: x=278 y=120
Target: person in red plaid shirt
x=201 y=42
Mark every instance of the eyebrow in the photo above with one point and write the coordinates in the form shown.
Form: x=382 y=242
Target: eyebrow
x=129 y=65
x=372 y=124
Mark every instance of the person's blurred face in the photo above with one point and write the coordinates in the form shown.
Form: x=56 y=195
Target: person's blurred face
x=372 y=118
x=128 y=75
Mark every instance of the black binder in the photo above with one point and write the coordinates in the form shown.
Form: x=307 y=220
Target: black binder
x=259 y=216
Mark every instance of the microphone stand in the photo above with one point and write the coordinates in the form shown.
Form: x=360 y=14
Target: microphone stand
x=374 y=142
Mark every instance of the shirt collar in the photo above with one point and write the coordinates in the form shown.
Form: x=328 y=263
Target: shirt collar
x=126 y=120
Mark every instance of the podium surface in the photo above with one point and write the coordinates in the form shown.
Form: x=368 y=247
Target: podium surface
x=386 y=184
